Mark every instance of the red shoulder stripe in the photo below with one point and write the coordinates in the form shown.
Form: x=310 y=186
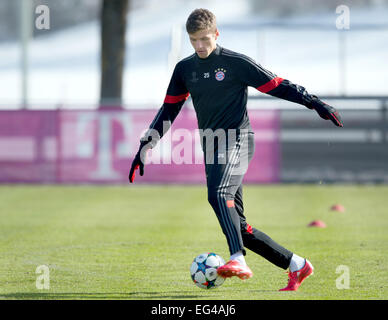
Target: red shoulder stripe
x=270 y=85
x=176 y=99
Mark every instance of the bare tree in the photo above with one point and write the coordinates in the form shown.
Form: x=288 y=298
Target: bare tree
x=113 y=26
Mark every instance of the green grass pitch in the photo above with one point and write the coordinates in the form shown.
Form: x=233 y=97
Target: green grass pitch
x=138 y=242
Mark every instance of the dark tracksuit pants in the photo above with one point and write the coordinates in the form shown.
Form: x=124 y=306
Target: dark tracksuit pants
x=225 y=170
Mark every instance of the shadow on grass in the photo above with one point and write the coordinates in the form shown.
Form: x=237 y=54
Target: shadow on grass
x=98 y=296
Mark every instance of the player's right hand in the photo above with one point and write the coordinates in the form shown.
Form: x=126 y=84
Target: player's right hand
x=138 y=163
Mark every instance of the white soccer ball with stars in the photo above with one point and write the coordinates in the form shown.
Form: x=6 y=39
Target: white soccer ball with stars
x=204 y=270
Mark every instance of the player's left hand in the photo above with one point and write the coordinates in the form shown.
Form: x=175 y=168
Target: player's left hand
x=326 y=112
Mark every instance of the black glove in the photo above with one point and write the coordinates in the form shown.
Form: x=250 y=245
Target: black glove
x=138 y=161
x=325 y=111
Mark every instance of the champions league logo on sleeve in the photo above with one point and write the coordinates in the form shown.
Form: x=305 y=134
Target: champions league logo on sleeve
x=220 y=74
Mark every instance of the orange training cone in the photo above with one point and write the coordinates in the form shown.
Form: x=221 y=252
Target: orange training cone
x=337 y=207
x=317 y=224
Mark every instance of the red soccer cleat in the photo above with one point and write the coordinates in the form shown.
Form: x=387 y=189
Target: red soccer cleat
x=296 y=278
x=235 y=268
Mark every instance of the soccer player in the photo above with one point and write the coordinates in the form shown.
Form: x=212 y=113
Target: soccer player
x=217 y=80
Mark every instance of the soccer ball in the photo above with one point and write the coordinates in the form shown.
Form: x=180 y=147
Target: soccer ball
x=204 y=270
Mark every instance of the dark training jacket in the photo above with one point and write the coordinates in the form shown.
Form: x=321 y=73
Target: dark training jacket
x=218 y=86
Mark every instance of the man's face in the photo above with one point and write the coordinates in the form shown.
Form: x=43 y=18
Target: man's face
x=204 y=42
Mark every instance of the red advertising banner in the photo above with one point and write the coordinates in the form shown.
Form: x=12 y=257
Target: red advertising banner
x=97 y=146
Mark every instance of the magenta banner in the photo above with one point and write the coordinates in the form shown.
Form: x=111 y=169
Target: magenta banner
x=81 y=146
